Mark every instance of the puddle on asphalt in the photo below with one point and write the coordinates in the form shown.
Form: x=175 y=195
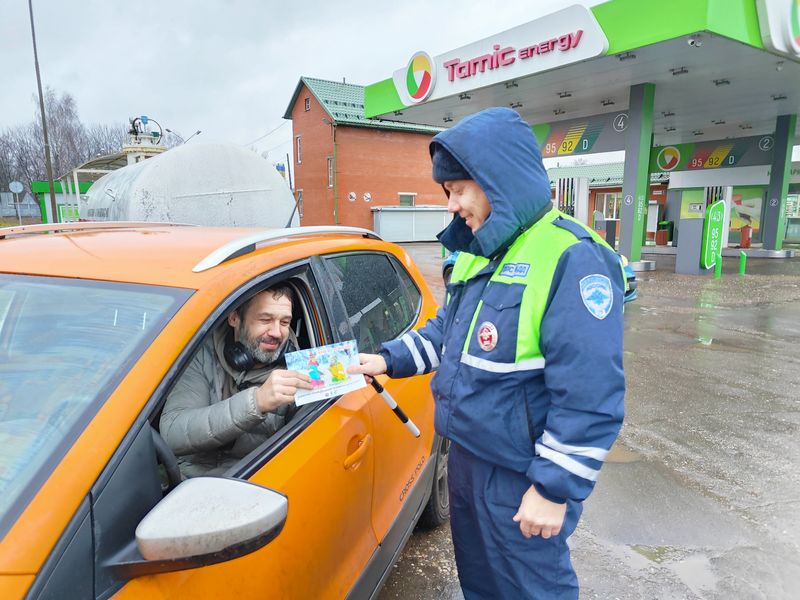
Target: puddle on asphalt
x=618 y=454
x=707 y=315
x=694 y=571
x=697 y=574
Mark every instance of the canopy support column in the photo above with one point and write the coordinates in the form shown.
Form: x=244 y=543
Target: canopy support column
x=636 y=176
x=774 y=225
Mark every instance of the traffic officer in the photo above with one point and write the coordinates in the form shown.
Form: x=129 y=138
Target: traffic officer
x=528 y=352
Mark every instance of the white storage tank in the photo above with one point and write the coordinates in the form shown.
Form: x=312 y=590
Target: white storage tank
x=199 y=184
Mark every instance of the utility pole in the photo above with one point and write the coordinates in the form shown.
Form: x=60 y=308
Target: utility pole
x=48 y=164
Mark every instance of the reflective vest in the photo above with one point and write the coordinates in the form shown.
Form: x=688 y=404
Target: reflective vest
x=524 y=276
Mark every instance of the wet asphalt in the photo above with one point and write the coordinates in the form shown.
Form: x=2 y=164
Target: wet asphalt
x=699 y=498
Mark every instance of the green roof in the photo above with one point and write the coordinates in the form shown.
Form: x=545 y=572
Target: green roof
x=344 y=102
x=601 y=175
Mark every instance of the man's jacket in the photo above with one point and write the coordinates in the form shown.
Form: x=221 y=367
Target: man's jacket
x=528 y=348
x=208 y=421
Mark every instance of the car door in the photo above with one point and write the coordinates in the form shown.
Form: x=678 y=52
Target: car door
x=382 y=302
x=323 y=462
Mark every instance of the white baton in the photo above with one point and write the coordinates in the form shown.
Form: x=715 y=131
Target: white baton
x=395 y=408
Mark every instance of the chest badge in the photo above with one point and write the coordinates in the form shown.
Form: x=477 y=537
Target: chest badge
x=487 y=336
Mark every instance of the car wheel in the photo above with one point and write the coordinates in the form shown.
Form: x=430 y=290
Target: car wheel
x=437 y=511
x=446 y=274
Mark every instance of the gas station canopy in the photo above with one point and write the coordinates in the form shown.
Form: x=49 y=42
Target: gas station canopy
x=684 y=85
x=716 y=74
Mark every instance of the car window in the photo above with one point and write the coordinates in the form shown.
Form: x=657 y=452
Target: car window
x=223 y=369
x=379 y=295
x=64 y=347
x=204 y=385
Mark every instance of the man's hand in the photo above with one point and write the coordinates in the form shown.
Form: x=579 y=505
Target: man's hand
x=370 y=365
x=280 y=388
x=539 y=516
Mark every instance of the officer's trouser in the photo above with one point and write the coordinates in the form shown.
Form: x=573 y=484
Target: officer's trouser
x=494 y=560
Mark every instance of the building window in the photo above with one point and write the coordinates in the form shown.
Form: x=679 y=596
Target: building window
x=330 y=171
x=297 y=149
x=610 y=205
x=300 y=203
x=308 y=104
x=407 y=198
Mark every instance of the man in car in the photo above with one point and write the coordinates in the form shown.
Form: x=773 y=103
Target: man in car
x=528 y=352
x=236 y=392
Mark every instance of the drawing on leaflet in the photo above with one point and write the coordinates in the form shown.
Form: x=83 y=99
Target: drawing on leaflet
x=327 y=368
x=314 y=372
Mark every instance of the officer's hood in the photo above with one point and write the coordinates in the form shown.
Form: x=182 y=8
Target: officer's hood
x=498 y=150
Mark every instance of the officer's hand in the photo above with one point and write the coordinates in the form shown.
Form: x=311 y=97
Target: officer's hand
x=370 y=365
x=539 y=516
x=280 y=388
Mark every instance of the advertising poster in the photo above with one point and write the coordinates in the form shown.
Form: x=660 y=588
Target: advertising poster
x=693 y=202
x=746 y=204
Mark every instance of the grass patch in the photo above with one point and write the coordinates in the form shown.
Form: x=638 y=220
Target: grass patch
x=657 y=554
x=14 y=222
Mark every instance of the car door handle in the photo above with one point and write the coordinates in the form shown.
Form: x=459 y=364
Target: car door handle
x=356 y=457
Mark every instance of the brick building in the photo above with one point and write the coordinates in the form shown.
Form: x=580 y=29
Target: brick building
x=345 y=164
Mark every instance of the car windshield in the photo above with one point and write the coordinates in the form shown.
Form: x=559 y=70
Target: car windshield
x=64 y=347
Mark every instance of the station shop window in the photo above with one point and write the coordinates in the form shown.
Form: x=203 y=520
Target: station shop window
x=308 y=104
x=407 y=198
x=297 y=149
x=330 y=171
x=610 y=204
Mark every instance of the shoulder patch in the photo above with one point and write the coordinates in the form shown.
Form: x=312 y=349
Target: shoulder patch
x=597 y=295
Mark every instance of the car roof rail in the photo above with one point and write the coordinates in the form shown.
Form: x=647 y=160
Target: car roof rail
x=80 y=226
x=245 y=245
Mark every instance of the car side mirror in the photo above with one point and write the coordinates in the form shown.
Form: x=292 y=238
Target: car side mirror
x=204 y=521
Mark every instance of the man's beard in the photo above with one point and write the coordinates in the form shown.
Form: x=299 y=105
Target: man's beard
x=253 y=345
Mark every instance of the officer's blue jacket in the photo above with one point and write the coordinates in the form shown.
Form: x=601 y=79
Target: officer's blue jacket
x=554 y=423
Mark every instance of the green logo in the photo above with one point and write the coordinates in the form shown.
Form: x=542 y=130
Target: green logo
x=794 y=25
x=668 y=158
x=420 y=77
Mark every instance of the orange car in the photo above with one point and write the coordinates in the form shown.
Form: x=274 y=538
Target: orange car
x=97 y=323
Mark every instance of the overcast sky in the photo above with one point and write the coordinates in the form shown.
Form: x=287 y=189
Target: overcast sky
x=226 y=67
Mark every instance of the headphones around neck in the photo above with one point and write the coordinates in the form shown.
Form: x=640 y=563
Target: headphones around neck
x=237 y=355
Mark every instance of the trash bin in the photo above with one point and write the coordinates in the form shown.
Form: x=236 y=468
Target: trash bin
x=668 y=226
x=663 y=233
x=746 y=233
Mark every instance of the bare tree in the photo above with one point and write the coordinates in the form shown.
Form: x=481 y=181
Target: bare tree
x=67 y=133
x=72 y=143
x=104 y=139
x=7 y=168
